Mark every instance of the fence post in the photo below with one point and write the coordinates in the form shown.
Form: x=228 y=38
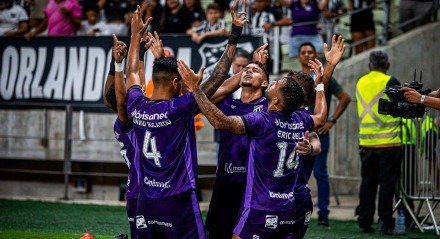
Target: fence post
x=67 y=150
x=386 y=21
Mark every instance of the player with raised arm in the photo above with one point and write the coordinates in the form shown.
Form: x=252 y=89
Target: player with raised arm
x=164 y=129
x=267 y=209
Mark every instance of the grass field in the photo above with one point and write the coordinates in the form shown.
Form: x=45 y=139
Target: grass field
x=44 y=220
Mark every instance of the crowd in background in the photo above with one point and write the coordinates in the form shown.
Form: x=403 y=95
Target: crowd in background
x=301 y=20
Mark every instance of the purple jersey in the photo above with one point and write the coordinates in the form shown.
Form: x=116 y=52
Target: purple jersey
x=125 y=136
x=234 y=148
x=165 y=135
x=273 y=162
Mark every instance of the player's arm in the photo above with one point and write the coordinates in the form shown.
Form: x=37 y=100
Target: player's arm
x=233 y=83
x=320 y=116
x=221 y=70
x=233 y=124
x=137 y=29
x=119 y=52
x=333 y=57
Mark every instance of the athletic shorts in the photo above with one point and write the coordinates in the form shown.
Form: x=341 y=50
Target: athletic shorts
x=302 y=213
x=258 y=224
x=131 y=214
x=224 y=208
x=169 y=218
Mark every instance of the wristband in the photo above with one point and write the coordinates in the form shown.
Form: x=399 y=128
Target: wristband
x=112 y=67
x=319 y=87
x=142 y=50
x=235 y=34
x=422 y=99
x=119 y=67
x=331 y=119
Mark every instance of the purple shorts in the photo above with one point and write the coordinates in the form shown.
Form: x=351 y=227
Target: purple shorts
x=171 y=217
x=258 y=224
x=302 y=213
x=131 y=213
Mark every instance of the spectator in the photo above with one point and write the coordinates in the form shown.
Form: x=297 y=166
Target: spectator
x=334 y=9
x=212 y=27
x=62 y=18
x=305 y=17
x=194 y=10
x=379 y=146
x=175 y=19
x=92 y=26
x=362 y=23
x=13 y=19
x=152 y=8
x=414 y=13
x=264 y=19
x=36 y=15
x=87 y=4
x=116 y=16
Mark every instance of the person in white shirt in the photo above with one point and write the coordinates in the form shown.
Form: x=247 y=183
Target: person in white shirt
x=92 y=26
x=13 y=19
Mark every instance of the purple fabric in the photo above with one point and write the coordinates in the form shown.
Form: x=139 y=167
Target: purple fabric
x=124 y=134
x=233 y=150
x=164 y=132
x=273 y=163
x=170 y=217
x=301 y=14
x=303 y=211
x=131 y=213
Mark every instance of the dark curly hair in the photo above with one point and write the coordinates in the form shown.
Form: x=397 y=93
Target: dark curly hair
x=163 y=68
x=293 y=96
x=307 y=84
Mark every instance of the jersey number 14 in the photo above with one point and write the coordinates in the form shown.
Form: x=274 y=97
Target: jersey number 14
x=292 y=161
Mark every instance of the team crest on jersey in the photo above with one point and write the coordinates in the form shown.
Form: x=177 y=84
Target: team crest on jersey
x=258 y=108
x=211 y=54
x=255 y=236
x=140 y=222
x=271 y=221
x=307 y=217
x=233 y=106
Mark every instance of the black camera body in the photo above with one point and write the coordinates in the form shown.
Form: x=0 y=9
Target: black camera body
x=397 y=106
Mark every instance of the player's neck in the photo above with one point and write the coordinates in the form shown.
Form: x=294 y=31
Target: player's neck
x=161 y=94
x=249 y=94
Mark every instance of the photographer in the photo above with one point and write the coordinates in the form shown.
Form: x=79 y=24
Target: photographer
x=431 y=100
x=379 y=146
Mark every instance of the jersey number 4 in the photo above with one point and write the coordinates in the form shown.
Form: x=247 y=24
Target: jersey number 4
x=292 y=161
x=153 y=154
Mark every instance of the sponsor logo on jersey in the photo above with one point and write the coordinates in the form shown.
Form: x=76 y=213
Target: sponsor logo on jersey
x=255 y=236
x=230 y=168
x=281 y=195
x=156 y=184
x=140 y=222
x=258 y=108
x=271 y=221
x=287 y=222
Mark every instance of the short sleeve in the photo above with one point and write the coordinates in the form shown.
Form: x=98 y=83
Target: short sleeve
x=23 y=15
x=134 y=98
x=393 y=82
x=186 y=103
x=334 y=87
x=75 y=8
x=255 y=123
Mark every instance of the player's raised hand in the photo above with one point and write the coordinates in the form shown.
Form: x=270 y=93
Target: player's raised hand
x=317 y=67
x=334 y=55
x=304 y=147
x=261 y=54
x=189 y=78
x=238 y=19
x=119 y=50
x=155 y=45
x=137 y=25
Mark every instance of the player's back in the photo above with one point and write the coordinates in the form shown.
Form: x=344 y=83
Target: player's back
x=165 y=135
x=273 y=162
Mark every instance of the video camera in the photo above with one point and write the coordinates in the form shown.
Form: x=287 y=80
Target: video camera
x=397 y=106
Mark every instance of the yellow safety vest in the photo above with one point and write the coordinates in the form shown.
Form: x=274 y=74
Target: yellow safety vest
x=409 y=132
x=428 y=125
x=375 y=129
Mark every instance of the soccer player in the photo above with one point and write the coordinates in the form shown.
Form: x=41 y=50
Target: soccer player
x=164 y=131
x=233 y=150
x=267 y=210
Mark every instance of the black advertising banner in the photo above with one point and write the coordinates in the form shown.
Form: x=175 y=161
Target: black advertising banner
x=74 y=69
